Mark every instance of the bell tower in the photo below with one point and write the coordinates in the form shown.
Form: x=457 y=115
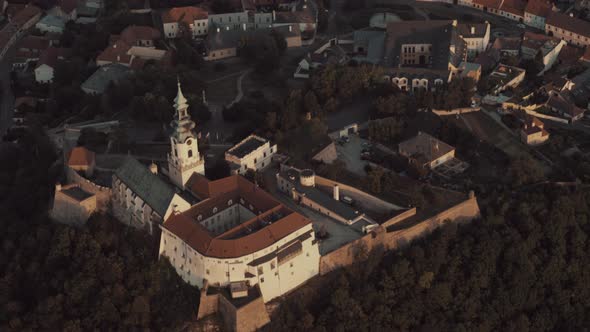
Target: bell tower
x=184 y=158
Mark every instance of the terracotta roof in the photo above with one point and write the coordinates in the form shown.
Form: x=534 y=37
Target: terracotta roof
x=539 y=7
x=198 y=185
x=507 y=43
x=479 y=29
x=134 y=33
x=51 y=55
x=186 y=14
x=515 y=7
x=116 y=53
x=253 y=235
x=24 y=15
x=80 y=156
x=558 y=102
x=33 y=43
x=489 y=3
x=67 y=6
x=566 y=22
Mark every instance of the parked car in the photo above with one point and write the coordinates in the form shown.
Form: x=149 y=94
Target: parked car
x=347 y=200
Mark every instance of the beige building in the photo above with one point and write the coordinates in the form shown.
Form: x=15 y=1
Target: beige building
x=239 y=235
x=426 y=151
x=253 y=153
x=573 y=30
x=184 y=20
x=476 y=36
x=72 y=205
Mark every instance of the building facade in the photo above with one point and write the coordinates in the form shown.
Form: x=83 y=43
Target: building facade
x=573 y=30
x=184 y=158
x=253 y=153
x=261 y=243
x=476 y=36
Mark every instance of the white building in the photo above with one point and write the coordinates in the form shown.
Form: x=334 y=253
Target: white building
x=238 y=233
x=476 y=36
x=142 y=199
x=230 y=21
x=253 y=153
x=181 y=20
x=184 y=158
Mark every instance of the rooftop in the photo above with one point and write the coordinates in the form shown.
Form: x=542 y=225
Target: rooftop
x=77 y=193
x=80 y=156
x=103 y=76
x=539 y=7
x=247 y=146
x=569 y=23
x=472 y=30
x=423 y=146
x=273 y=222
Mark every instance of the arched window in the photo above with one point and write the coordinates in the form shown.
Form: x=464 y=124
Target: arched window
x=215 y=210
x=190 y=153
x=230 y=202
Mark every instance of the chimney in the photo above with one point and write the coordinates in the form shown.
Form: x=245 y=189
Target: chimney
x=244 y=26
x=218 y=30
x=290 y=28
x=118 y=58
x=336 y=192
x=57 y=187
x=473 y=30
x=154 y=168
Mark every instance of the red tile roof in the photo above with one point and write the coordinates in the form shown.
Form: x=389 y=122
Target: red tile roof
x=184 y=14
x=67 y=6
x=539 y=7
x=236 y=242
x=51 y=55
x=33 y=43
x=24 y=15
x=569 y=23
x=80 y=156
x=134 y=33
x=515 y=7
x=116 y=52
x=489 y=3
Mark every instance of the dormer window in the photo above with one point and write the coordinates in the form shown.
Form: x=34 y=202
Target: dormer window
x=215 y=210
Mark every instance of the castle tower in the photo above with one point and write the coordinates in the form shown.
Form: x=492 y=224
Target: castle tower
x=184 y=158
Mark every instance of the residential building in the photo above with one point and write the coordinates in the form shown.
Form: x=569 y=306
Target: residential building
x=548 y=47
x=182 y=20
x=426 y=151
x=134 y=46
x=72 y=205
x=471 y=70
x=504 y=77
x=571 y=29
x=137 y=35
x=532 y=131
x=66 y=9
x=507 y=46
x=184 y=158
x=142 y=199
x=47 y=62
x=253 y=152
x=82 y=160
x=536 y=12
x=513 y=9
x=99 y=81
x=51 y=23
x=566 y=108
x=476 y=36
x=239 y=234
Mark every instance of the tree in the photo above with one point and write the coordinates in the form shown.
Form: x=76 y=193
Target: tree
x=385 y=130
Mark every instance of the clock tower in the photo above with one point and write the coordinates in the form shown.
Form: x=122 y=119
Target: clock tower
x=184 y=158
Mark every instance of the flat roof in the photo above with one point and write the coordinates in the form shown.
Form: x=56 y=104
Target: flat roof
x=247 y=146
x=77 y=193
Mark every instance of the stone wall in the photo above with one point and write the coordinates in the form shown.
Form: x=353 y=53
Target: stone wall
x=381 y=239
x=400 y=217
x=251 y=316
x=103 y=194
x=208 y=304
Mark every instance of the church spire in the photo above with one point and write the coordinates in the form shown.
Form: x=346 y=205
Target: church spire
x=180 y=102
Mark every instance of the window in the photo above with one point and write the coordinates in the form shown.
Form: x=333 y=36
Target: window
x=174 y=249
x=272 y=265
x=175 y=153
x=215 y=210
x=200 y=217
x=207 y=272
x=261 y=280
x=230 y=202
x=291 y=264
x=255 y=160
x=265 y=155
x=260 y=270
x=190 y=153
x=227 y=274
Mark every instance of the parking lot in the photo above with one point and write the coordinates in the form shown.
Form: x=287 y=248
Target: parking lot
x=350 y=153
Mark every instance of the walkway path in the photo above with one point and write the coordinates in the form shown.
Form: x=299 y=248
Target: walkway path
x=240 y=94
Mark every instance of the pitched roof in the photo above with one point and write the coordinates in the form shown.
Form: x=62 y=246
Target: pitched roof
x=33 y=43
x=539 y=7
x=489 y=3
x=154 y=191
x=425 y=146
x=134 y=33
x=103 y=76
x=515 y=7
x=272 y=222
x=507 y=43
x=557 y=101
x=52 y=20
x=441 y=34
x=472 y=30
x=67 y=6
x=50 y=56
x=186 y=14
x=116 y=52
x=80 y=156
x=566 y=22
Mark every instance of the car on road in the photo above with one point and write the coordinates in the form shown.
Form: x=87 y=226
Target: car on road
x=347 y=200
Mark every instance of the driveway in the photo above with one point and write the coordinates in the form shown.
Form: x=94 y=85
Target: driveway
x=350 y=153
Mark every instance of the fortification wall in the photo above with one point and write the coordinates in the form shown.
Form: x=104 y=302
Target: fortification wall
x=103 y=194
x=251 y=316
x=208 y=304
x=402 y=216
x=380 y=239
